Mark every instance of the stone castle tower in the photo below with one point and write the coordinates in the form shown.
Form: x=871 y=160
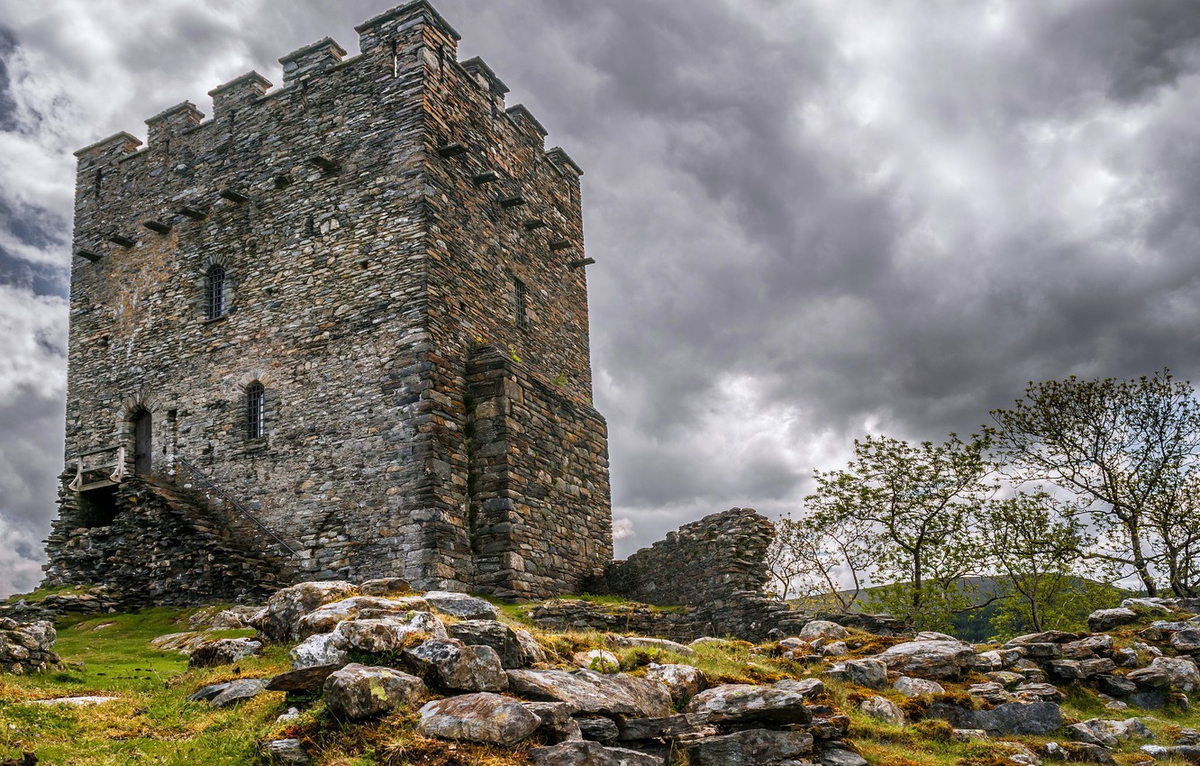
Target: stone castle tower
x=343 y=324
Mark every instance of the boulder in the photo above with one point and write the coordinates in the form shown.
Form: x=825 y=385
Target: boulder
x=357 y=691
x=452 y=664
x=671 y=727
x=1034 y=691
x=235 y=618
x=599 y=729
x=1108 y=733
x=1045 y=637
x=990 y=692
x=805 y=687
x=1147 y=606
x=871 y=673
x=1107 y=619
x=1115 y=686
x=277 y=621
x=326 y=618
x=1006 y=678
x=517 y=648
x=385 y=586
x=481 y=717
x=387 y=634
x=1189 y=753
x=1167 y=672
x=316 y=651
x=929 y=659
x=823 y=629
x=883 y=709
x=223 y=651
x=596 y=693
x=1080 y=752
x=461 y=605
x=556 y=720
x=682 y=681
x=1186 y=641
x=1009 y=718
x=752 y=747
x=745 y=703
x=239 y=691
x=285 y=751
x=584 y=753
x=915 y=687
x=308 y=679
x=838 y=757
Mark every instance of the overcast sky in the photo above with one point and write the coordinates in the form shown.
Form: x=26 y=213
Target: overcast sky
x=812 y=219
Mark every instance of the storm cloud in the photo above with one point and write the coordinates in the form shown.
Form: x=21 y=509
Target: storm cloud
x=812 y=219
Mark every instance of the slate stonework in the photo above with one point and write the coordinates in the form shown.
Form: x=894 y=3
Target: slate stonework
x=403 y=275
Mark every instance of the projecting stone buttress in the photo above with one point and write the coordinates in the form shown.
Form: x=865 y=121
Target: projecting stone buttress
x=348 y=319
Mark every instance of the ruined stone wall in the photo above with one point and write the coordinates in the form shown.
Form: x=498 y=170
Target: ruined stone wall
x=373 y=216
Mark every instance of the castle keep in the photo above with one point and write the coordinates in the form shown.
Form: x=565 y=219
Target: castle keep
x=337 y=330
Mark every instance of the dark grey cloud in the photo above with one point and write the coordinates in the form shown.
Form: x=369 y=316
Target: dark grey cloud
x=811 y=220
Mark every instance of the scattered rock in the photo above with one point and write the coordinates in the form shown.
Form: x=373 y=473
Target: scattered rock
x=1009 y=718
x=1166 y=672
x=236 y=691
x=318 y=651
x=497 y=635
x=744 y=703
x=278 y=619
x=749 y=748
x=584 y=753
x=329 y=616
x=309 y=679
x=883 y=709
x=683 y=681
x=461 y=605
x=823 y=629
x=285 y=751
x=357 y=691
x=387 y=634
x=482 y=717
x=915 y=687
x=591 y=692
x=929 y=659
x=598 y=660
x=838 y=757
x=644 y=642
x=599 y=729
x=385 y=586
x=1107 y=619
x=871 y=673
x=223 y=651
x=85 y=701
x=452 y=664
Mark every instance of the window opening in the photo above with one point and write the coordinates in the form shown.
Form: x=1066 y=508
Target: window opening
x=255 y=400
x=215 y=293
x=520 y=300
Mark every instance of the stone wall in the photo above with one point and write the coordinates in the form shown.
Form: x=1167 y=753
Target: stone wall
x=164 y=548
x=374 y=218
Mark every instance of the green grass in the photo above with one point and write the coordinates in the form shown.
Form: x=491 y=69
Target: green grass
x=39 y=595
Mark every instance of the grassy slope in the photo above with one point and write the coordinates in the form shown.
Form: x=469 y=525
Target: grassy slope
x=151 y=723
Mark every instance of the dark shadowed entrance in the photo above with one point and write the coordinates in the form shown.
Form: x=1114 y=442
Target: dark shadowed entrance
x=141 y=443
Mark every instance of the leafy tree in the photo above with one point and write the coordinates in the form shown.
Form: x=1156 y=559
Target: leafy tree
x=813 y=556
x=1127 y=450
x=1034 y=541
x=917 y=501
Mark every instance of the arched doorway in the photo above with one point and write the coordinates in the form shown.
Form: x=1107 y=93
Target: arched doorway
x=142 y=434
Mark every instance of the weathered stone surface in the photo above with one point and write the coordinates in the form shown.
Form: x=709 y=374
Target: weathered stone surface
x=1190 y=753
x=585 y=753
x=1039 y=692
x=991 y=692
x=883 y=709
x=805 y=687
x=645 y=642
x=556 y=720
x=385 y=586
x=744 y=703
x=1107 y=619
x=591 y=692
x=461 y=605
x=482 y=717
x=1009 y=718
x=451 y=664
x=598 y=729
x=308 y=679
x=279 y=619
x=915 y=687
x=517 y=648
x=82 y=701
x=823 y=629
x=318 y=651
x=871 y=673
x=285 y=751
x=1186 y=641
x=1108 y=733
x=749 y=748
x=633 y=729
x=326 y=618
x=233 y=692
x=1167 y=672
x=27 y=648
x=838 y=757
x=683 y=681
x=357 y=691
x=224 y=651
x=929 y=659
x=387 y=634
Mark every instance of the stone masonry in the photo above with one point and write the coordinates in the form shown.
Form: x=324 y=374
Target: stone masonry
x=356 y=305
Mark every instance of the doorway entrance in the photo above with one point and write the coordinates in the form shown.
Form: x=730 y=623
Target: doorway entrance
x=142 y=432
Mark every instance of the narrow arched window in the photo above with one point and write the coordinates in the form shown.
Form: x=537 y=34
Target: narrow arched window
x=214 y=289
x=255 y=400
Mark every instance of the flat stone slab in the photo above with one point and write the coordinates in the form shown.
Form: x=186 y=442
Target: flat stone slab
x=74 y=701
x=591 y=692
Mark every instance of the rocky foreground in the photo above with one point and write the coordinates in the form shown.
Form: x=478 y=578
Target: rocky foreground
x=469 y=675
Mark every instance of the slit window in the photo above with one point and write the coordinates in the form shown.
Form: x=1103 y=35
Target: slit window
x=519 y=301
x=214 y=292
x=255 y=410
